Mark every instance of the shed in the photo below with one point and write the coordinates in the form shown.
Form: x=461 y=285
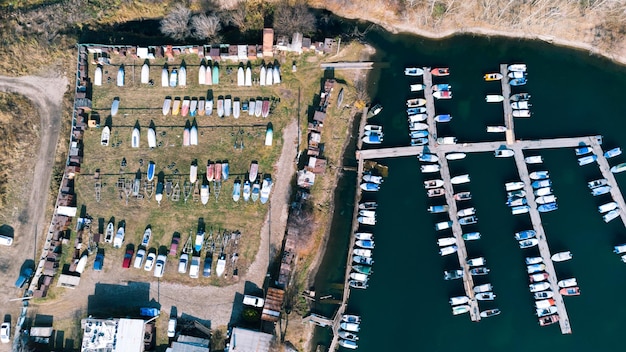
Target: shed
x=252 y=52
x=319 y=116
x=142 y=53
x=296 y=42
x=244 y=340
x=273 y=302
x=242 y=52
x=68 y=281
x=268 y=42
x=306 y=179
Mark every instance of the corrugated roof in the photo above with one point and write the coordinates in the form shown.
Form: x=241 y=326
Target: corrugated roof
x=244 y=340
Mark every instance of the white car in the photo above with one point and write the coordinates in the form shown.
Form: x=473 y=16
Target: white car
x=159 y=268
x=253 y=301
x=139 y=258
x=182 y=263
x=171 y=327
x=149 y=262
x=5 y=332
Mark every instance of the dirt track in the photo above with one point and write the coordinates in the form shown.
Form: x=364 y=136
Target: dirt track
x=47 y=95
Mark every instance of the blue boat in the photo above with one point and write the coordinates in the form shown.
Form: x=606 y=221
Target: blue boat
x=601 y=190
x=613 y=152
x=151 y=170
x=418 y=134
x=443 y=118
x=442 y=87
x=373 y=138
x=587 y=159
x=518 y=81
x=524 y=235
x=514 y=201
x=541 y=183
x=543 y=208
x=369 y=186
x=417 y=110
x=435 y=209
x=429 y=158
x=582 y=150
x=199 y=241
x=216 y=74
x=225 y=170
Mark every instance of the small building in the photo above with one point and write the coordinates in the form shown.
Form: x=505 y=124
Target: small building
x=186 y=343
x=296 y=42
x=330 y=45
x=242 y=52
x=244 y=340
x=306 y=179
x=268 y=42
x=273 y=302
x=252 y=50
x=112 y=335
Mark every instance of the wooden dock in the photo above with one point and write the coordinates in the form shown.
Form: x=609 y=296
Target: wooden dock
x=430 y=109
x=346 y=65
x=605 y=168
x=506 y=105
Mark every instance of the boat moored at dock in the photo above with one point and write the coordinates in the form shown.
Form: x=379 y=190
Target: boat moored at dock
x=618 y=168
x=452 y=274
x=457 y=180
x=490 y=313
x=561 y=256
x=528 y=243
x=567 y=283
x=436 y=209
x=536 y=159
x=455 y=156
x=613 y=152
x=433 y=183
x=471 y=236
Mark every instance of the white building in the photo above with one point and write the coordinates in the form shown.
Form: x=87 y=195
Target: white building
x=112 y=335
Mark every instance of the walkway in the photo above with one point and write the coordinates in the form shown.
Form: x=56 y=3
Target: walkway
x=605 y=168
x=506 y=105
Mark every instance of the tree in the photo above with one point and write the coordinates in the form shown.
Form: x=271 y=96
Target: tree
x=289 y=19
x=176 y=24
x=205 y=27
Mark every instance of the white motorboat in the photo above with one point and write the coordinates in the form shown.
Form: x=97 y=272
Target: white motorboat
x=430 y=158
x=543 y=295
x=522 y=113
x=533 y=260
x=582 y=150
x=536 y=159
x=546 y=199
x=452 y=274
x=367 y=213
x=619 y=249
x=447 y=250
x=430 y=168
x=456 y=310
x=413 y=71
x=413 y=118
x=347 y=343
x=457 y=180
x=352 y=327
x=513 y=186
x=365 y=220
x=367 y=253
x=483 y=288
x=528 y=243
x=518 y=105
x=504 y=153
x=542 y=312
x=446 y=241
x=598 y=191
x=524 y=235
x=480 y=261
x=443 y=225
x=535 y=268
x=613 y=152
x=446 y=140
x=428 y=184
x=517 y=67
x=468 y=220
x=455 y=156
x=372 y=178
x=368 y=205
x=471 y=236
x=359 y=277
x=459 y=300
x=597 y=183
x=520 y=209
x=466 y=212
x=418 y=126
x=561 y=256
x=494 y=98
x=604 y=208
x=585 y=160
x=364 y=236
x=613 y=214
x=539 y=286
x=544 y=303
x=496 y=129
x=568 y=282
x=417 y=87
x=539 y=175
x=486 y=296
x=520 y=193
x=544 y=191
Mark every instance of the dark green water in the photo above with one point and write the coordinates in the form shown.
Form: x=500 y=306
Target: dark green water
x=406 y=306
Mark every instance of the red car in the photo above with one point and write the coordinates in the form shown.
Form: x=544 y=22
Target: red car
x=128 y=256
x=174 y=245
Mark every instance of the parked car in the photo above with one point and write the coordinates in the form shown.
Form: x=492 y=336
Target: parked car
x=6 y=240
x=194 y=267
x=182 y=263
x=174 y=245
x=128 y=257
x=99 y=262
x=5 y=332
x=149 y=262
x=159 y=268
x=171 y=327
x=253 y=301
x=139 y=258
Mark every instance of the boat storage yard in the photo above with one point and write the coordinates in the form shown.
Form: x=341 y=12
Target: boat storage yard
x=524 y=194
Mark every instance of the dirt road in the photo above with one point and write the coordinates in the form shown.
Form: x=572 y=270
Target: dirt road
x=46 y=93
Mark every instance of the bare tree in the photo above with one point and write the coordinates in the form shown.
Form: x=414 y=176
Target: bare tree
x=205 y=27
x=176 y=24
x=237 y=16
x=289 y=19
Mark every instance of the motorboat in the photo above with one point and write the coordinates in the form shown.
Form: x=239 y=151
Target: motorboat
x=544 y=191
x=520 y=209
x=416 y=110
x=542 y=312
x=613 y=214
x=585 y=160
x=436 y=192
x=373 y=128
x=490 y=313
x=413 y=118
x=462 y=196
x=503 y=153
x=357 y=284
x=519 y=105
x=359 y=277
x=368 y=213
x=544 y=208
x=517 y=74
x=468 y=220
x=570 y=291
x=455 y=156
x=521 y=113
x=607 y=207
x=513 y=186
x=618 y=168
x=515 y=82
x=543 y=295
x=415 y=102
x=446 y=241
x=417 y=87
x=429 y=158
x=534 y=268
x=496 y=129
x=597 y=183
x=479 y=271
x=347 y=335
x=536 y=159
x=440 y=71
x=367 y=244
x=433 y=183
x=466 y=212
x=548 y=320
x=418 y=126
x=483 y=288
x=494 y=98
x=359 y=259
x=419 y=141
x=546 y=199
x=471 y=236
x=442 y=94
x=520 y=193
x=492 y=76
x=517 y=67
x=486 y=296
x=582 y=150
x=375 y=110
x=349 y=344
x=443 y=118
x=598 y=191
x=457 y=180
x=567 y=283
x=362 y=252
x=528 y=243
x=430 y=168
x=413 y=71
x=516 y=202
x=541 y=183
x=446 y=140
x=448 y=250
x=370 y=186
x=539 y=286
x=418 y=134
x=368 y=206
x=613 y=152
x=623 y=258
x=459 y=300
x=352 y=327
x=364 y=236
x=366 y=220
x=452 y=274
x=441 y=87
x=524 y=235
x=619 y=249
x=372 y=138
x=533 y=260
x=545 y=303
x=436 y=209
x=561 y=256
x=373 y=178
x=520 y=96
x=456 y=310
x=539 y=175
x=480 y=261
